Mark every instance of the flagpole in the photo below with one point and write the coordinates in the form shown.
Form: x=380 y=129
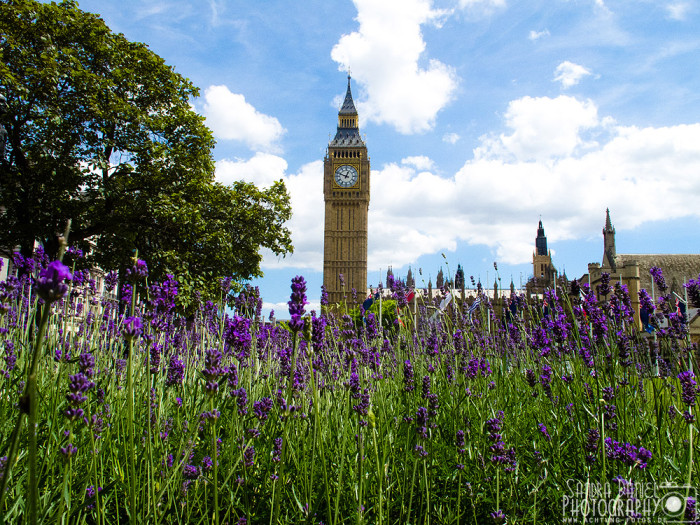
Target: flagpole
x=381 y=292
x=653 y=301
x=687 y=313
x=415 y=310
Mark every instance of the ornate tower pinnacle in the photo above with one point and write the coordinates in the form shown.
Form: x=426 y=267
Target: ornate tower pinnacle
x=609 y=252
x=541 y=240
x=541 y=258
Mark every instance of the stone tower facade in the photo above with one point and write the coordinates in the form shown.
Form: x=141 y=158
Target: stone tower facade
x=543 y=272
x=541 y=258
x=346 y=195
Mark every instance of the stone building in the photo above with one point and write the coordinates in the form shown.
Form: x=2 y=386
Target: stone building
x=544 y=274
x=632 y=270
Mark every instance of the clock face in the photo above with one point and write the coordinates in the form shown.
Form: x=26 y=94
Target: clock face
x=346 y=176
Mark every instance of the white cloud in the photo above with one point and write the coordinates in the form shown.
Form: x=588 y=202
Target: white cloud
x=230 y=117
x=485 y=7
x=420 y=162
x=262 y=169
x=570 y=74
x=385 y=56
x=542 y=128
x=678 y=10
x=536 y=35
x=281 y=309
x=450 y=138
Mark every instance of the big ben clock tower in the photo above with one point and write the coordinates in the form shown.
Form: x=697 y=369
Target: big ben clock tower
x=346 y=195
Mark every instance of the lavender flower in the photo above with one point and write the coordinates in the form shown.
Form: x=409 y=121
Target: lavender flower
x=408 y=382
x=78 y=384
x=693 y=289
x=51 y=284
x=176 y=371
x=591 y=444
x=131 y=328
x=658 y=276
x=138 y=271
x=212 y=370
x=691 y=513
x=86 y=364
x=627 y=453
x=262 y=408
x=111 y=280
x=277 y=450
x=249 y=456
x=69 y=450
x=604 y=287
x=420 y=452
x=689 y=389
x=207 y=464
x=546 y=379
x=460 y=441
x=190 y=472
x=531 y=378
x=296 y=303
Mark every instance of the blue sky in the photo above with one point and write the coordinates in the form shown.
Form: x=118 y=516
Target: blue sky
x=480 y=116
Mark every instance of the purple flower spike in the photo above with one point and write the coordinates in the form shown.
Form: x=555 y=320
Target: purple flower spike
x=658 y=276
x=138 y=271
x=693 y=288
x=50 y=285
x=296 y=303
x=132 y=328
x=689 y=389
x=69 y=450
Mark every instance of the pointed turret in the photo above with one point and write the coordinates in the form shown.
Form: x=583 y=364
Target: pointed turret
x=541 y=240
x=542 y=269
x=609 y=252
x=348 y=133
x=348 y=107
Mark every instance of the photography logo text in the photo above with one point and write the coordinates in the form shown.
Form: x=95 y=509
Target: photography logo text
x=621 y=500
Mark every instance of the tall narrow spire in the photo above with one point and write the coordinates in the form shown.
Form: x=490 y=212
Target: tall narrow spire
x=608 y=223
x=541 y=240
x=348 y=107
x=609 y=252
x=348 y=133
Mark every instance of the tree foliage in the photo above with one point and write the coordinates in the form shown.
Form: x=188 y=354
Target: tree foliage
x=101 y=131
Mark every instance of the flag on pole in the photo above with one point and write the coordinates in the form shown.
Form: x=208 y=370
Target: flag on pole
x=398 y=317
x=370 y=301
x=443 y=304
x=680 y=307
x=446 y=301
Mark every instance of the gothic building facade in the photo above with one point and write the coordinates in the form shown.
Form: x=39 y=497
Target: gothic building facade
x=543 y=272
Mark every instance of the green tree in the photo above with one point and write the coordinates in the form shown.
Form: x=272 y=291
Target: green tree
x=101 y=131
